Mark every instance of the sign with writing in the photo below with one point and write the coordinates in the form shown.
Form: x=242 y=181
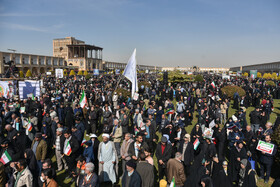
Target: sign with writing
x=265 y=147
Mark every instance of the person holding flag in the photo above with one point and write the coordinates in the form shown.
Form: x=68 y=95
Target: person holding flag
x=7 y=152
x=69 y=150
x=83 y=100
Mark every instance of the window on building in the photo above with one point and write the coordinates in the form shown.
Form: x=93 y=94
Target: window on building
x=55 y=62
x=49 y=62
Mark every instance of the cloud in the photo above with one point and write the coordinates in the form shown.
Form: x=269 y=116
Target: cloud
x=15 y=26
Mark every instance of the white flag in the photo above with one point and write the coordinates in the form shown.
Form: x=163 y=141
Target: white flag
x=130 y=72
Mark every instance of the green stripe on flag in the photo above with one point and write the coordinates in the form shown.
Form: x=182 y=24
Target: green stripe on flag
x=7 y=155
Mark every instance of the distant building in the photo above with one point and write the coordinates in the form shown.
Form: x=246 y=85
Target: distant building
x=263 y=68
x=77 y=53
x=38 y=64
x=196 y=69
x=68 y=53
x=108 y=66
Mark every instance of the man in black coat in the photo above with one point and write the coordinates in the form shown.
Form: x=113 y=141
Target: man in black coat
x=248 y=135
x=146 y=171
x=70 y=156
x=255 y=119
x=187 y=150
x=266 y=161
x=131 y=178
x=139 y=145
x=150 y=135
x=163 y=154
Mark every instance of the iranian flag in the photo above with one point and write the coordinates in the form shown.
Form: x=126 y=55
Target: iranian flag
x=83 y=100
x=170 y=111
x=213 y=84
x=196 y=144
x=68 y=150
x=83 y=142
x=172 y=184
x=5 y=158
x=29 y=126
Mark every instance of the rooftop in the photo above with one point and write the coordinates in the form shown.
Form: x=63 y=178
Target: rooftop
x=87 y=46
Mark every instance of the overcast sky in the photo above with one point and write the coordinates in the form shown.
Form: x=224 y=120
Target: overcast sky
x=205 y=33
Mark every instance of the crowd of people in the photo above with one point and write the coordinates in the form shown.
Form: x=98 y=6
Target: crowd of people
x=138 y=141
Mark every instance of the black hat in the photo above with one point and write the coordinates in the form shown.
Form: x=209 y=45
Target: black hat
x=81 y=158
x=38 y=135
x=67 y=131
x=4 y=141
x=163 y=139
x=131 y=163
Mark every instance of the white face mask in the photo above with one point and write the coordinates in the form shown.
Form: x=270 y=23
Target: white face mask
x=41 y=178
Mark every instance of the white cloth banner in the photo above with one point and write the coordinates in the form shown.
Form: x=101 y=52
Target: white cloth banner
x=29 y=87
x=130 y=73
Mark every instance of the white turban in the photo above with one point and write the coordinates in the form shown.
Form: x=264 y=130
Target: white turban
x=105 y=135
x=234 y=118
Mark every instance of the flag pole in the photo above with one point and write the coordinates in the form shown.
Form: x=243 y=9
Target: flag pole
x=119 y=79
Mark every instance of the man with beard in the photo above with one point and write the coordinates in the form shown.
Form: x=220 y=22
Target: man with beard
x=108 y=160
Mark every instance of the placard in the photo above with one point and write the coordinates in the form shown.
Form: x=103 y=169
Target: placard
x=265 y=147
x=253 y=74
x=59 y=73
x=22 y=110
x=118 y=71
x=135 y=97
x=208 y=133
x=6 y=89
x=96 y=72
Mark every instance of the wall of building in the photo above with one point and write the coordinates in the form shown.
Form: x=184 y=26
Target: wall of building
x=36 y=63
x=263 y=68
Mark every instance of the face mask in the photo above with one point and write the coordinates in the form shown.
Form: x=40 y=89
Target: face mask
x=41 y=178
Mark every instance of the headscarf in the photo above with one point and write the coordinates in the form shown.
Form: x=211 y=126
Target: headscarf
x=242 y=171
x=31 y=161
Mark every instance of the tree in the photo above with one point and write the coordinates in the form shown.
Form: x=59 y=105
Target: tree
x=199 y=78
x=265 y=76
x=269 y=76
x=274 y=76
x=21 y=75
x=85 y=73
x=87 y=76
x=80 y=73
x=246 y=74
x=259 y=75
x=72 y=73
x=230 y=91
x=28 y=73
